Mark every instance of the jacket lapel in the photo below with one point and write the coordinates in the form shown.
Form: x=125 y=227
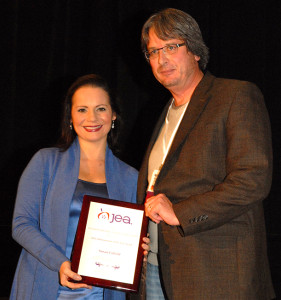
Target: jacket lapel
x=198 y=102
x=144 y=167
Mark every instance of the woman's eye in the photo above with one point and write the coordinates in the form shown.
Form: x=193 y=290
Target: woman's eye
x=81 y=110
x=101 y=109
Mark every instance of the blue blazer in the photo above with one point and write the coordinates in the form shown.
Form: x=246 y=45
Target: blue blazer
x=41 y=216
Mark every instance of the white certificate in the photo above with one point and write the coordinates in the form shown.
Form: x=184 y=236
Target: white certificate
x=107 y=249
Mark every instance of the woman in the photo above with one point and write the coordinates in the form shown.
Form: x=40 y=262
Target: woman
x=51 y=189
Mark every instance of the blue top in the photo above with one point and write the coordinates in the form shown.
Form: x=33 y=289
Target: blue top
x=82 y=188
x=41 y=216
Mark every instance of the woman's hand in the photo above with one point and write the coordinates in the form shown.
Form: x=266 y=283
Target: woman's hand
x=66 y=274
x=145 y=247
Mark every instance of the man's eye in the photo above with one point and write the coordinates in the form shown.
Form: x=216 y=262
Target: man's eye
x=171 y=47
x=153 y=52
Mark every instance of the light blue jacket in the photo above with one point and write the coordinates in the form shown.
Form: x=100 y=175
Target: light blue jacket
x=41 y=217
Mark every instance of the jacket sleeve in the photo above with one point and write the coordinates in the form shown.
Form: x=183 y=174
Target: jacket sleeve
x=248 y=167
x=28 y=214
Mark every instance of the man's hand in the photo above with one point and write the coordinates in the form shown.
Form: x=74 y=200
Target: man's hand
x=159 y=208
x=66 y=274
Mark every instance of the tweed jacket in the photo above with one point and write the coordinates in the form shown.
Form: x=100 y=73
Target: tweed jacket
x=216 y=174
x=41 y=217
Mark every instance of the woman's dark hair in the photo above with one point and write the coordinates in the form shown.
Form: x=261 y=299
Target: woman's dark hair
x=172 y=23
x=67 y=134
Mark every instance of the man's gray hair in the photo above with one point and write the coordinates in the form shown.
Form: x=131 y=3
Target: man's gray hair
x=172 y=23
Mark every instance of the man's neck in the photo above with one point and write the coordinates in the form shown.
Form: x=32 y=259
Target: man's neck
x=182 y=96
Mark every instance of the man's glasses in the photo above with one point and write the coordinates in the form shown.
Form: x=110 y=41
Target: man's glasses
x=167 y=50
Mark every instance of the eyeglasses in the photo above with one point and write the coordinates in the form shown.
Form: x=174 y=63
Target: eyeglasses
x=167 y=50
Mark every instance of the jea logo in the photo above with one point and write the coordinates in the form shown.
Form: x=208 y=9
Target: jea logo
x=114 y=218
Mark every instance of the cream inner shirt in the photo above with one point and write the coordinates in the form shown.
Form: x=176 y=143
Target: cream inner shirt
x=156 y=158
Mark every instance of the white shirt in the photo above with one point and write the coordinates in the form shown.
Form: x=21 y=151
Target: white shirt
x=157 y=158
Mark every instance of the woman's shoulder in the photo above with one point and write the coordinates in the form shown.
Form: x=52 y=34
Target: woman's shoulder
x=48 y=153
x=129 y=168
x=114 y=162
x=126 y=167
x=42 y=162
x=47 y=157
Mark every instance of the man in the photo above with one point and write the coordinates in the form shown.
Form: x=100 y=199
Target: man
x=207 y=169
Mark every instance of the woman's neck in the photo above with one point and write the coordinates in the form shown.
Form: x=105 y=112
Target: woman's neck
x=92 y=162
x=92 y=151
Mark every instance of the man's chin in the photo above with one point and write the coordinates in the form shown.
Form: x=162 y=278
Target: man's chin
x=168 y=84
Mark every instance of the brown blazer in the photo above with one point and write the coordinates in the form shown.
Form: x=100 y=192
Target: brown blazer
x=216 y=174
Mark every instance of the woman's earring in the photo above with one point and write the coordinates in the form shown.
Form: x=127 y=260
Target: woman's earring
x=112 y=125
x=70 y=126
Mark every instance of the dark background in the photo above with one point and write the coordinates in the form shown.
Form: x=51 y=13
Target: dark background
x=45 y=45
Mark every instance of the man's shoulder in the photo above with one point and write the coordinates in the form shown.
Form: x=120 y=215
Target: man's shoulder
x=231 y=83
x=225 y=91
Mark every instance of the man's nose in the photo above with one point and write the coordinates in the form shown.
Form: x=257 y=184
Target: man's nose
x=162 y=58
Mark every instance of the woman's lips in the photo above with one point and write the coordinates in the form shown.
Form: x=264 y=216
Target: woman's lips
x=92 y=128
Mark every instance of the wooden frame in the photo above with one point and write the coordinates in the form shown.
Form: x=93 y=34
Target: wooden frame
x=107 y=250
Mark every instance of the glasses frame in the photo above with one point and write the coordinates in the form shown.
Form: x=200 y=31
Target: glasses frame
x=147 y=54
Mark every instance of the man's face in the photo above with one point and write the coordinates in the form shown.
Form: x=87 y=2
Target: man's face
x=173 y=71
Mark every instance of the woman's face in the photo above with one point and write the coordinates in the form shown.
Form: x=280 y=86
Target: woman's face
x=91 y=114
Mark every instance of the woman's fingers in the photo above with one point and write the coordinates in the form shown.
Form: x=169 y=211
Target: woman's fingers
x=67 y=276
x=145 y=247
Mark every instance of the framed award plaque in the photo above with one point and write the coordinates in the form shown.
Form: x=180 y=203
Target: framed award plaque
x=107 y=250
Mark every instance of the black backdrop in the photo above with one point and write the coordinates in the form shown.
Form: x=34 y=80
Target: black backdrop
x=47 y=44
